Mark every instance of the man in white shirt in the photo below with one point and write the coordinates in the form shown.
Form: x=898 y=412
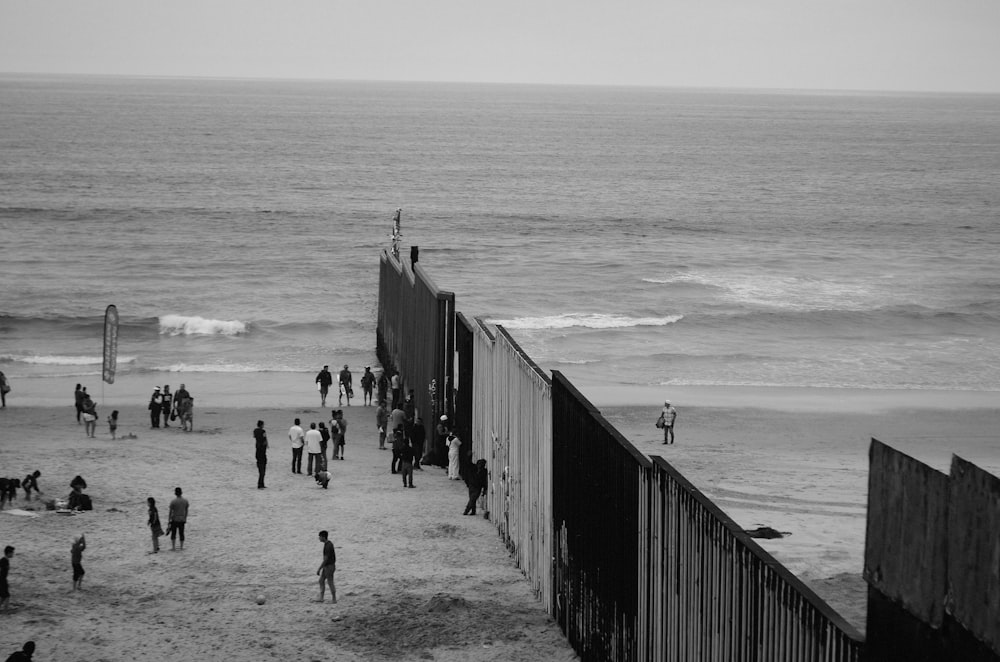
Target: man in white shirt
x=313 y=439
x=297 y=437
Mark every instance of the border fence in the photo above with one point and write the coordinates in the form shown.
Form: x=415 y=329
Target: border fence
x=635 y=563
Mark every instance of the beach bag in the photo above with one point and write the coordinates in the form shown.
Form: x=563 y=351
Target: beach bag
x=660 y=423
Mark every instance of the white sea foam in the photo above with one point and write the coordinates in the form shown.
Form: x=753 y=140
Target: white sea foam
x=213 y=367
x=776 y=291
x=181 y=325
x=63 y=360
x=585 y=320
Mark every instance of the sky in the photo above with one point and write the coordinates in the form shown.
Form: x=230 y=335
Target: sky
x=892 y=45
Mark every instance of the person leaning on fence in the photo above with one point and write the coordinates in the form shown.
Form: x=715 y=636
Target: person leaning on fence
x=477 y=482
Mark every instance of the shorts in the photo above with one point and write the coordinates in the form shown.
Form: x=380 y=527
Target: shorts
x=89 y=417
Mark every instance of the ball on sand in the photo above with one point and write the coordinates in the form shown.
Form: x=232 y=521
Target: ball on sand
x=260 y=599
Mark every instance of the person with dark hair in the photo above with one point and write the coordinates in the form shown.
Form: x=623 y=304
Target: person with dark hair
x=418 y=436
x=478 y=481
x=406 y=463
x=8 y=554
x=327 y=567
x=346 y=386
x=30 y=483
x=323 y=382
x=4 y=389
x=260 y=441
x=154 y=524
x=78 y=399
x=154 y=407
x=381 y=422
x=398 y=442
x=166 y=405
x=313 y=439
x=76 y=558
x=396 y=383
x=341 y=437
x=25 y=654
x=324 y=442
x=367 y=385
x=382 y=386
x=297 y=437
x=177 y=517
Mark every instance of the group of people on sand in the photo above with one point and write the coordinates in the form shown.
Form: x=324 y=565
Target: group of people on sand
x=170 y=407
x=177 y=515
x=86 y=409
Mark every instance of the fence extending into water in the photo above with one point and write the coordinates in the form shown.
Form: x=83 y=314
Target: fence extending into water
x=631 y=559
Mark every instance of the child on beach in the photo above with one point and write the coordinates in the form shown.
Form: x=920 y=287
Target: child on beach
x=76 y=556
x=154 y=524
x=113 y=423
x=30 y=483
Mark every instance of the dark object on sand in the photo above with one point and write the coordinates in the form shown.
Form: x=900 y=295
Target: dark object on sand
x=766 y=532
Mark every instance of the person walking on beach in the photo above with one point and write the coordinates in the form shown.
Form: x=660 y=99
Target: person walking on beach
x=668 y=416
x=341 y=436
x=324 y=380
x=154 y=407
x=398 y=441
x=154 y=524
x=382 y=387
x=166 y=405
x=89 y=416
x=313 y=438
x=397 y=388
x=381 y=421
x=367 y=385
x=8 y=554
x=76 y=558
x=260 y=441
x=297 y=437
x=327 y=567
x=177 y=516
x=4 y=389
x=324 y=442
x=418 y=435
x=346 y=386
x=113 y=424
x=78 y=399
x=478 y=481
x=454 y=455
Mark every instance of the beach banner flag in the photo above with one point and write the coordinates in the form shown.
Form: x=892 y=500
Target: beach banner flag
x=110 y=343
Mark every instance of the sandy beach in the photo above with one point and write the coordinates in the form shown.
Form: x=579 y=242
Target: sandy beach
x=416 y=579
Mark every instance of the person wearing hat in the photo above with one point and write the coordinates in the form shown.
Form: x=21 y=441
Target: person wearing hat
x=367 y=385
x=346 y=386
x=154 y=407
x=668 y=415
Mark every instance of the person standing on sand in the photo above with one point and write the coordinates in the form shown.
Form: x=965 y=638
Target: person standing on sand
x=313 y=439
x=76 y=558
x=367 y=385
x=418 y=435
x=260 y=441
x=154 y=524
x=324 y=442
x=166 y=405
x=478 y=481
x=4 y=389
x=346 y=386
x=397 y=389
x=177 y=516
x=78 y=398
x=327 y=567
x=89 y=416
x=297 y=437
x=154 y=407
x=113 y=424
x=398 y=442
x=324 y=379
x=341 y=435
x=8 y=554
x=381 y=420
x=382 y=386
x=668 y=415
x=406 y=463
x=454 y=444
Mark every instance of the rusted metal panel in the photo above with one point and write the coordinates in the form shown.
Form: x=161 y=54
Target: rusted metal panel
x=974 y=551
x=906 y=552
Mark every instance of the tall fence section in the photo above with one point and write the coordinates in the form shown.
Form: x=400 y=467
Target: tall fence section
x=635 y=563
x=932 y=560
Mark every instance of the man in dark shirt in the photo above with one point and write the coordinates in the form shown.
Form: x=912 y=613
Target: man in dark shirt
x=260 y=436
x=406 y=464
x=8 y=554
x=327 y=567
x=346 y=386
x=324 y=379
x=417 y=438
x=25 y=654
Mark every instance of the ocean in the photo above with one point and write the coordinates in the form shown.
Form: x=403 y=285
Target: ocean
x=624 y=236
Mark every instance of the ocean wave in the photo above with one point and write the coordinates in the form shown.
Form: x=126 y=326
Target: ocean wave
x=180 y=325
x=585 y=320
x=215 y=367
x=62 y=360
